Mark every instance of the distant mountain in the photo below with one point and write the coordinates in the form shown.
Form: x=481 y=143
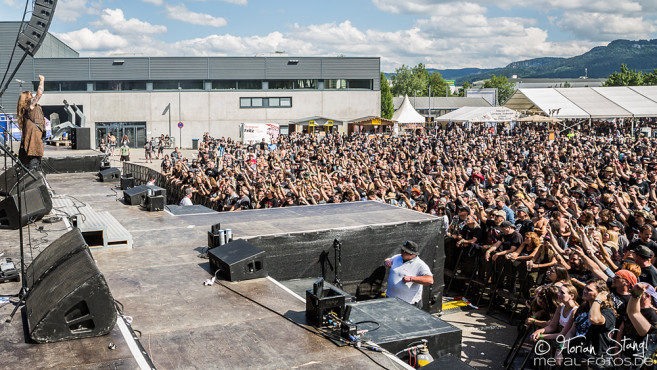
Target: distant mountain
x=598 y=62
x=454 y=74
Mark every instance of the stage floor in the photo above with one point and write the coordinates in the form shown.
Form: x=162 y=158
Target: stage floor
x=183 y=324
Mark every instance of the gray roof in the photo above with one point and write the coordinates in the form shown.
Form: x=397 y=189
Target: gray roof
x=452 y=102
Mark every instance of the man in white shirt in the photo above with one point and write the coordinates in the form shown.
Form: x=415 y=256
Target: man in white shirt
x=187 y=199
x=408 y=273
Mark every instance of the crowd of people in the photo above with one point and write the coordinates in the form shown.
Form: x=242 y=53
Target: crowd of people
x=567 y=222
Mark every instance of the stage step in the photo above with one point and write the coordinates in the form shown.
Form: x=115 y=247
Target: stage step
x=101 y=230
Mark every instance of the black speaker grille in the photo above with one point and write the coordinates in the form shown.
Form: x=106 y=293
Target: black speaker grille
x=61 y=281
x=56 y=253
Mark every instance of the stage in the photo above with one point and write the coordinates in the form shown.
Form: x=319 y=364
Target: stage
x=180 y=322
x=63 y=159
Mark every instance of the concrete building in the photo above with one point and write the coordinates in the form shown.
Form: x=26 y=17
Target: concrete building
x=130 y=95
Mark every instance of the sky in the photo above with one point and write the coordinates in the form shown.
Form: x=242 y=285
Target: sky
x=438 y=33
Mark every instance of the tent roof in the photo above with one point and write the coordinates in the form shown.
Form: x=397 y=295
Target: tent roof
x=587 y=102
x=594 y=103
x=407 y=114
x=630 y=100
x=543 y=101
x=480 y=114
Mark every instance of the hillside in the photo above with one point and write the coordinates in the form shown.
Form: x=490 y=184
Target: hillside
x=599 y=62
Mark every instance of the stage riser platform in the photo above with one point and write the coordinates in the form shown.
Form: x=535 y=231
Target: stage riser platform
x=311 y=254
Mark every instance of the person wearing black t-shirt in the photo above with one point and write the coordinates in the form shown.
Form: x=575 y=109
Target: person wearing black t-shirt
x=621 y=285
x=640 y=320
x=645 y=233
x=643 y=255
x=523 y=223
x=595 y=319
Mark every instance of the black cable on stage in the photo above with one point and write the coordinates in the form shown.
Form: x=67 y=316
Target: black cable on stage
x=378 y=325
x=20 y=29
x=326 y=335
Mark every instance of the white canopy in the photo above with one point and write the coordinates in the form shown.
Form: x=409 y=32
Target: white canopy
x=587 y=102
x=480 y=114
x=407 y=114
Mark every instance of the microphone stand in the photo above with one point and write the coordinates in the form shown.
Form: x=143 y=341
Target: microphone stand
x=20 y=168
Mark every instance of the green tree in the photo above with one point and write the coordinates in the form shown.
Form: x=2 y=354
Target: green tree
x=438 y=85
x=387 y=107
x=466 y=85
x=504 y=87
x=650 y=78
x=626 y=77
x=566 y=84
x=408 y=81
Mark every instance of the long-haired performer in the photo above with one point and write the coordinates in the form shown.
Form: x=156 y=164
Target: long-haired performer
x=33 y=127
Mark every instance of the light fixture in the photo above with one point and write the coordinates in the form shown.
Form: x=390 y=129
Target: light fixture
x=293 y=62
x=118 y=62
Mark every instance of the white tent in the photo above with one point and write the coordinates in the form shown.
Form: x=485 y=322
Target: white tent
x=587 y=102
x=480 y=114
x=407 y=114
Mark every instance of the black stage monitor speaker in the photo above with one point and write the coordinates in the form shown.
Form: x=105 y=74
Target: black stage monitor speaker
x=72 y=301
x=155 y=203
x=137 y=195
x=54 y=255
x=127 y=182
x=238 y=260
x=35 y=32
x=8 y=181
x=36 y=203
x=110 y=175
x=81 y=138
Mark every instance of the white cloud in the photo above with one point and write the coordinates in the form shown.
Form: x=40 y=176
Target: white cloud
x=71 y=10
x=156 y=2
x=13 y=3
x=115 y=21
x=601 y=27
x=237 y=2
x=181 y=13
x=87 y=40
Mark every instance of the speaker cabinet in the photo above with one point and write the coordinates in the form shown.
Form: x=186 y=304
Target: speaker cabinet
x=54 y=255
x=81 y=138
x=155 y=203
x=36 y=203
x=127 y=182
x=137 y=195
x=70 y=301
x=238 y=260
x=35 y=32
x=110 y=175
x=9 y=180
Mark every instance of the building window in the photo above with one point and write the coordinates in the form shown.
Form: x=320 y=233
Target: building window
x=249 y=84
x=335 y=84
x=107 y=85
x=133 y=85
x=191 y=84
x=165 y=85
x=305 y=84
x=359 y=84
x=281 y=84
x=266 y=102
x=73 y=85
x=348 y=84
x=224 y=85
